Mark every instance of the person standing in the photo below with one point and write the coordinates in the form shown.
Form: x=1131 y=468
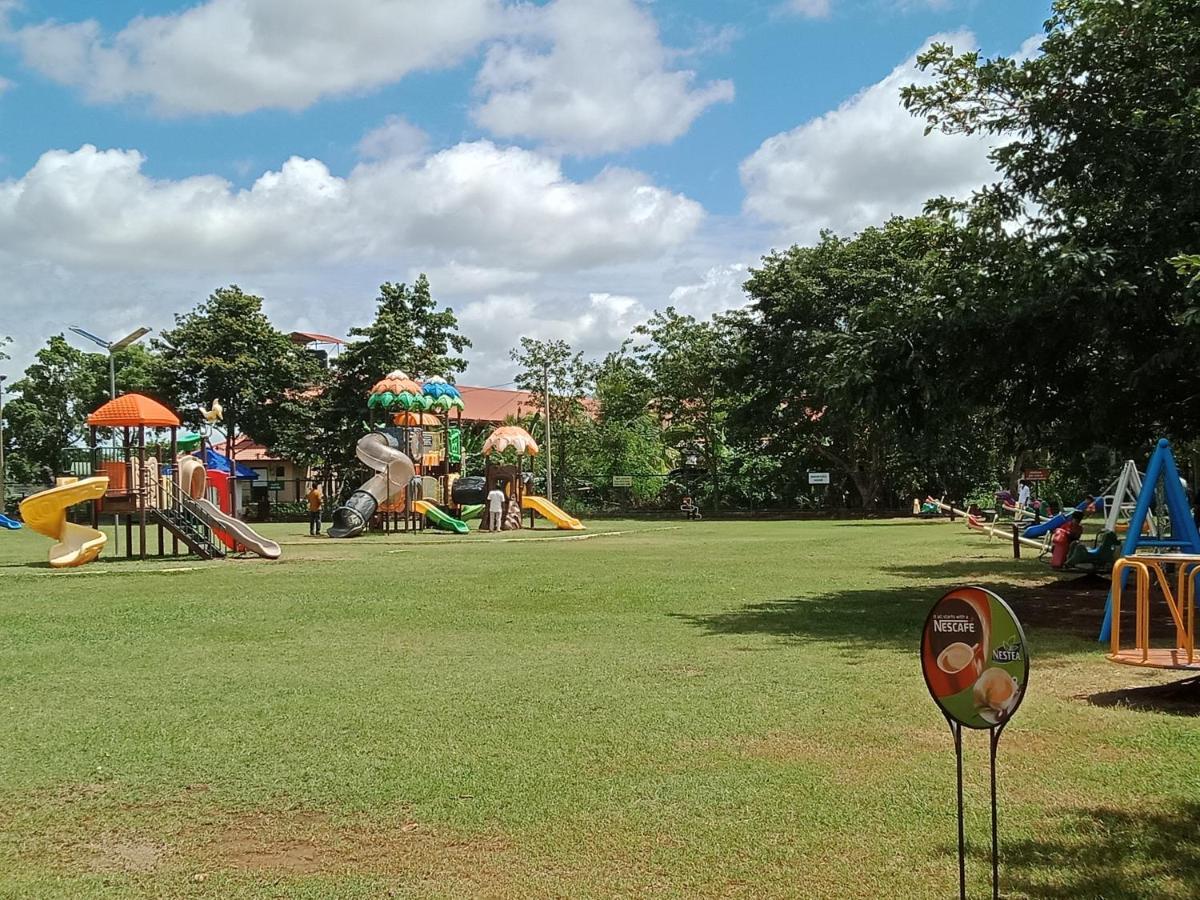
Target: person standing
x=495 y=504
x=314 y=499
x=1023 y=494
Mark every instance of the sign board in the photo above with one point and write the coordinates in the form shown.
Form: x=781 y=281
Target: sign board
x=818 y=478
x=974 y=658
x=1036 y=475
x=622 y=481
x=275 y=487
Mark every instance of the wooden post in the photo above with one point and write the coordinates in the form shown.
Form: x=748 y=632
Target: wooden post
x=1016 y=536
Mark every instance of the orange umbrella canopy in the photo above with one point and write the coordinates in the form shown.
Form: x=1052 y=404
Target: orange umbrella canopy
x=418 y=419
x=510 y=436
x=132 y=410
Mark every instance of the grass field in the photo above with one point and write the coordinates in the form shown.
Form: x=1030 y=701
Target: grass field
x=721 y=709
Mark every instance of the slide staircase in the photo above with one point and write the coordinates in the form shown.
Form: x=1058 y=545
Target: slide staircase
x=182 y=518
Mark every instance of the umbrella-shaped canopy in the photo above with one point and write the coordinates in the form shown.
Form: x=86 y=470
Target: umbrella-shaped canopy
x=510 y=436
x=397 y=391
x=442 y=394
x=417 y=420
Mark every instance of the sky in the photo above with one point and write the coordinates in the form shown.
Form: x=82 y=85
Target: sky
x=559 y=169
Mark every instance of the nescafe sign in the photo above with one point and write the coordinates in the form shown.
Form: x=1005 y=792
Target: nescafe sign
x=974 y=658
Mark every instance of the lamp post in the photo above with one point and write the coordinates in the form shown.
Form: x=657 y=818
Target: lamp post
x=112 y=347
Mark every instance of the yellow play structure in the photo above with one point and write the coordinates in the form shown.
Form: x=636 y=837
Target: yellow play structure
x=46 y=513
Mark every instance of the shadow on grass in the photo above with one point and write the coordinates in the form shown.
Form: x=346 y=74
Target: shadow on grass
x=890 y=618
x=1180 y=698
x=1056 y=619
x=1110 y=853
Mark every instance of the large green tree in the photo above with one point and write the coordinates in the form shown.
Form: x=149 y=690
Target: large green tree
x=855 y=359
x=48 y=411
x=226 y=349
x=411 y=332
x=1099 y=167
x=687 y=361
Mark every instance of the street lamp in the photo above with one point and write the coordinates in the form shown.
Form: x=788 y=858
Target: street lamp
x=112 y=347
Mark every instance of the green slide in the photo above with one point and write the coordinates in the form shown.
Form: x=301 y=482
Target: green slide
x=439 y=519
x=471 y=512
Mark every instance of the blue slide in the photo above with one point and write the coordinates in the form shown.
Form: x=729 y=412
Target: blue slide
x=1042 y=528
x=10 y=524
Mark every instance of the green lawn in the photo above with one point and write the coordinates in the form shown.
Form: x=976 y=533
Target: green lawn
x=660 y=709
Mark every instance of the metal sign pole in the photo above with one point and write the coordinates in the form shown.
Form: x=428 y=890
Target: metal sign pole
x=994 y=736
x=956 y=730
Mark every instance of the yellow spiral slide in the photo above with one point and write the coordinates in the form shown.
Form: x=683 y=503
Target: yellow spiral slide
x=46 y=513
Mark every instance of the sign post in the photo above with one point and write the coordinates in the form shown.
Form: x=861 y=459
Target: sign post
x=976 y=666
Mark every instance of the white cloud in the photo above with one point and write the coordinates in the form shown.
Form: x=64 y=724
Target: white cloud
x=861 y=163
x=89 y=236
x=719 y=290
x=480 y=203
x=233 y=56
x=396 y=137
x=6 y=84
x=590 y=77
x=812 y=9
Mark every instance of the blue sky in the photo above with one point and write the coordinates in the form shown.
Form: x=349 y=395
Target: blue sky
x=576 y=120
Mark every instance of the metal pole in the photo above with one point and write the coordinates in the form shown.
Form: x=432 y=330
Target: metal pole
x=112 y=376
x=549 y=451
x=962 y=833
x=994 y=735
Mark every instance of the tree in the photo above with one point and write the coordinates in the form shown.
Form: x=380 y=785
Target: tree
x=851 y=358
x=626 y=438
x=686 y=361
x=227 y=349
x=49 y=412
x=411 y=333
x=1097 y=171
x=561 y=378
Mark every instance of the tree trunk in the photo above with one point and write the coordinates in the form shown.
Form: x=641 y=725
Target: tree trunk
x=1018 y=467
x=868 y=488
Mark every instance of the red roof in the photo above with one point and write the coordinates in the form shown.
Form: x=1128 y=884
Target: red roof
x=495 y=405
x=247 y=450
x=132 y=410
x=313 y=337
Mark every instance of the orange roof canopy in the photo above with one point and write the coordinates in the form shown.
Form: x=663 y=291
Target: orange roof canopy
x=132 y=410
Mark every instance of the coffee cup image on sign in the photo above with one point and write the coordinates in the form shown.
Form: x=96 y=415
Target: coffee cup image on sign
x=956 y=657
x=995 y=693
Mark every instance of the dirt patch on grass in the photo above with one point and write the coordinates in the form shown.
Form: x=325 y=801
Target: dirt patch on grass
x=311 y=843
x=116 y=853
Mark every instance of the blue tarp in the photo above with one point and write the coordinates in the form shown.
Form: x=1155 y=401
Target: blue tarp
x=220 y=463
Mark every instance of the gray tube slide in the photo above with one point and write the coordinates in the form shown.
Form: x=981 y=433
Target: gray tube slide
x=380 y=452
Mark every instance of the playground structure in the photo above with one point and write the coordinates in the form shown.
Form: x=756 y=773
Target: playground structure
x=513 y=481
x=46 y=513
x=415 y=451
x=1154 y=550
x=416 y=455
x=1052 y=536
x=9 y=524
x=1150 y=570
x=130 y=484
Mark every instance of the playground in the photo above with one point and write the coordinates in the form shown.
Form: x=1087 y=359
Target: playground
x=632 y=710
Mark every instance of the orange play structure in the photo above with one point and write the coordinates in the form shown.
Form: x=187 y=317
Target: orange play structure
x=1179 y=594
